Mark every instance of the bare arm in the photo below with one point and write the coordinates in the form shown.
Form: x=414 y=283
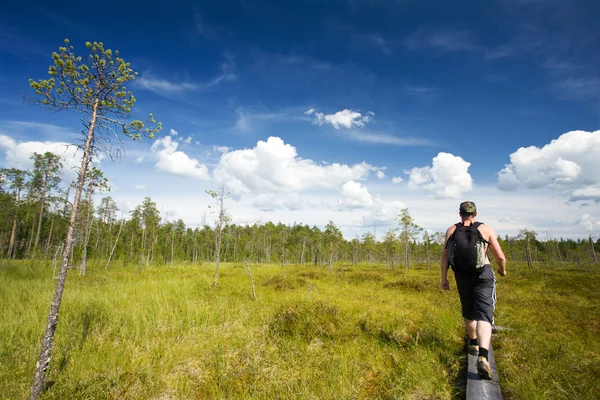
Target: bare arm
x=444 y=260
x=497 y=251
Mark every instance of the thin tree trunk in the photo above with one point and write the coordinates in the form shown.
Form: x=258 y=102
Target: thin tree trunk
x=172 y=251
x=98 y=234
x=115 y=245
x=12 y=238
x=39 y=228
x=11 y=242
x=303 y=247
x=218 y=254
x=131 y=246
x=30 y=242
x=41 y=367
x=86 y=240
x=49 y=241
x=235 y=247
x=529 y=259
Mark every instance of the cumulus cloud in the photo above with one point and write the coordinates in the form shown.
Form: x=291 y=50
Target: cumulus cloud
x=380 y=174
x=354 y=196
x=173 y=132
x=447 y=177
x=188 y=140
x=341 y=119
x=274 y=167
x=397 y=179
x=568 y=164
x=16 y=154
x=177 y=162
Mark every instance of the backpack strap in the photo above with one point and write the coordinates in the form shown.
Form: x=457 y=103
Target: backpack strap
x=451 y=236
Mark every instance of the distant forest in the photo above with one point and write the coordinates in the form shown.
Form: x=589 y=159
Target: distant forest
x=35 y=207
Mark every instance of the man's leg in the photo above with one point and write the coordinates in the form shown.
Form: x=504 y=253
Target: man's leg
x=471 y=328
x=484 y=334
x=485 y=302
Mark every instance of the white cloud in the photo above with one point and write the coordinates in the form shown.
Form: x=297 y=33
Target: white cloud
x=177 y=162
x=227 y=72
x=139 y=160
x=167 y=88
x=273 y=202
x=345 y=118
x=173 y=132
x=589 y=222
x=569 y=165
x=248 y=119
x=188 y=140
x=162 y=86
x=397 y=180
x=448 y=176
x=422 y=91
x=354 y=196
x=17 y=154
x=48 y=130
x=274 y=167
x=384 y=138
x=380 y=174
x=381 y=214
x=139 y=187
x=581 y=88
x=220 y=149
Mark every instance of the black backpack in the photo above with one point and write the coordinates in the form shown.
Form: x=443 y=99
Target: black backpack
x=466 y=248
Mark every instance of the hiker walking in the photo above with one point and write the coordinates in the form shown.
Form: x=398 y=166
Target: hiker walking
x=465 y=249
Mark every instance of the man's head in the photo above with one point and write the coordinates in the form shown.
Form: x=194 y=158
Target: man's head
x=467 y=209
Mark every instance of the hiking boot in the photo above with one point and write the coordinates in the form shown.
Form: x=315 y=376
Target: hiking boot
x=473 y=349
x=483 y=368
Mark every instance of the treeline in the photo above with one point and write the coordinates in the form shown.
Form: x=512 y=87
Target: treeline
x=35 y=206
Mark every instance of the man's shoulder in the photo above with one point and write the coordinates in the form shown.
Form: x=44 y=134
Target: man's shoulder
x=450 y=229
x=486 y=230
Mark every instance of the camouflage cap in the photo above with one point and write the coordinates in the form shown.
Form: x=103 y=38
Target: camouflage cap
x=467 y=207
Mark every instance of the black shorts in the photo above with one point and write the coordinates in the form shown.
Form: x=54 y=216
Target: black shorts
x=477 y=294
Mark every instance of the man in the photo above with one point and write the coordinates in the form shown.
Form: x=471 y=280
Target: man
x=465 y=249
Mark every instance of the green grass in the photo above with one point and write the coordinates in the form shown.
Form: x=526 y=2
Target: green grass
x=354 y=333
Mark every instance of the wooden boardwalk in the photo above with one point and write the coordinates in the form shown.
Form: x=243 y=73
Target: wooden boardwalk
x=482 y=389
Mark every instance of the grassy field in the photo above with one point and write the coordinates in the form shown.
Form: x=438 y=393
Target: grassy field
x=355 y=333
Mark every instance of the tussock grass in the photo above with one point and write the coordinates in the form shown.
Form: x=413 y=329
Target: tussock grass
x=362 y=332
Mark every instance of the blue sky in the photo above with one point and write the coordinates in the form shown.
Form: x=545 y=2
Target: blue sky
x=438 y=93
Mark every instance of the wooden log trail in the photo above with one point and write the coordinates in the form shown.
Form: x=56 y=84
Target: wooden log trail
x=483 y=389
